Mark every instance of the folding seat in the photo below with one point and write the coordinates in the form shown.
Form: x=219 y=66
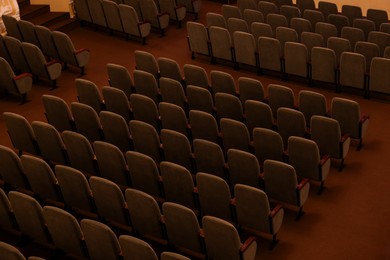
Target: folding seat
x=277 y=20
x=280 y=96
x=198 y=39
x=314 y=16
x=170 y=69
x=27 y=29
x=14 y=47
x=41 y=178
x=119 y=77
x=281 y=185
x=146 y=84
x=228 y=106
x=296 y=59
x=246 y=4
x=12 y=27
x=209 y=158
x=145 y=61
x=339 y=45
x=244 y=168
x=87 y=121
x=192 y=6
x=57 y=113
x=327 y=8
x=234 y=135
x=221 y=44
x=339 y=21
x=82 y=10
x=133 y=247
x=290 y=12
x=65 y=231
x=183 y=229
x=258 y=114
x=311 y=40
x=177 y=149
x=111 y=13
x=214 y=197
x=11 y=169
x=266 y=8
x=311 y=103
x=250 y=89
x=150 y=13
x=203 y=126
x=116 y=130
x=236 y=24
x=113 y=210
x=116 y=101
x=347 y=113
x=267 y=144
x=379 y=77
x=172 y=256
x=145 y=139
x=215 y=19
x=200 y=98
x=178 y=184
x=38 y=64
x=177 y=12
x=144 y=173
x=261 y=29
x=353 y=35
x=229 y=11
x=323 y=65
x=352 y=12
x=75 y=189
x=252 y=16
x=101 y=241
x=304 y=5
x=326 y=132
x=381 y=39
x=245 y=49
x=196 y=76
x=223 y=241
x=68 y=53
x=46 y=42
x=145 y=109
x=132 y=23
x=31 y=224
x=365 y=25
x=270 y=54
x=97 y=12
x=14 y=84
x=353 y=71
x=145 y=215
x=174 y=118
x=173 y=92
x=300 y=25
x=80 y=152
x=378 y=16
x=10 y=252
x=326 y=30
x=21 y=134
x=369 y=50
x=222 y=82
x=7 y=218
x=291 y=122
x=254 y=212
x=112 y=163
x=88 y=93
x=135 y=5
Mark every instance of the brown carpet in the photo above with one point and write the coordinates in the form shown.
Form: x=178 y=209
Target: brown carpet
x=348 y=221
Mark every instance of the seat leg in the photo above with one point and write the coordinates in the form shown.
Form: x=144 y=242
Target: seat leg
x=341 y=166
x=322 y=188
x=360 y=144
x=300 y=213
x=82 y=71
x=273 y=242
x=23 y=98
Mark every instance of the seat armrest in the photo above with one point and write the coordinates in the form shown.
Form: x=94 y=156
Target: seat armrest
x=344 y=137
x=23 y=75
x=48 y=64
x=275 y=210
x=302 y=183
x=162 y=14
x=233 y=202
x=324 y=158
x=81 y=50
x=143 y=22
x=363 y=119
x=179 y=6
x=247 y=243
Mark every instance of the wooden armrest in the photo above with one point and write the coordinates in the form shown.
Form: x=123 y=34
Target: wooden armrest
x=201 y=233
x=162 y=14
x=302 y=183
x=179 y=6
x=364 y=118
x=324 y=158
x=344 y=137
x=52 y=62
x=275 y=210
x=143 y=22
x=23 y=75
x=233 y=202
x=195 y=190
x=162 y=220
x=81 y=50
x=247 y=243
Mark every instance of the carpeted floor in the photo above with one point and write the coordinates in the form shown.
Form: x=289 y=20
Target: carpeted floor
x=350 y=220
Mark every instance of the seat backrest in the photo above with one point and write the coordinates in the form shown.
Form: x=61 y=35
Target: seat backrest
x=14 y=47
x=111 y=12
x=228 y=106
x=280 y=96
x=35 y=59
x=323 y=64
x=222 y=82
x=6 y=78
x=133 y=247
x=353 y=35
x=296 y=59
x=252 y=16
x=215 y=19
x=379 y=77
x=378 y=16
x=381 y=39
x=290 y=12
x=277 y=20
x=270 y=53
x=10 y=252
x=116 y=130
x=300 y=25
x=243 y=168
x=365 y=25
x=268 y=144
x=65 y=47
x=57 y=112
x=221 y=43
x=116 y=101
x=311 y=40
x=352 y=70
x=261 y=29
x=235 y=135
x=145 y=61
x=198 y=37
x=88 y=93
x=145 y=139
x=339 y=45
x=27 y=29
x=195 y=75
x=172 y=92
x=326 y=133
x=266 y=7
x=173 y=117
x=11 y=26
x=86 y=120
x=82 y=10
x=6 y=214
x=314 y=16
x=11 y=169
x=245 y=48
x=352 y=12
x=369 y=50
x=169 y=69
x=258 y=114
x=209 y=158
x=200 y=98
x=326 y=30
x=177 y=148
x=97 y=13
x=119 y=77
x=291 y=122
x=311 y=103
x=144 y=109
x=229 y=11
x=131 y=21
x=327 y=8
x=347 y=113
x=146 y=84
x=203 y=126
x=339 y=21
x=250 y=89
x=46 y=41
x=237 y=24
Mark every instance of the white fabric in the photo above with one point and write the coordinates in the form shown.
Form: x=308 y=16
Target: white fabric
x=8 y=7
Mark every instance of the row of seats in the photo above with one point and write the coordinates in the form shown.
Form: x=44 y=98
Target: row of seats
x=272 y=54
x=53 y=44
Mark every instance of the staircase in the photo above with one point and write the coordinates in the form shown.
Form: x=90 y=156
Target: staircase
x=41 y=15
